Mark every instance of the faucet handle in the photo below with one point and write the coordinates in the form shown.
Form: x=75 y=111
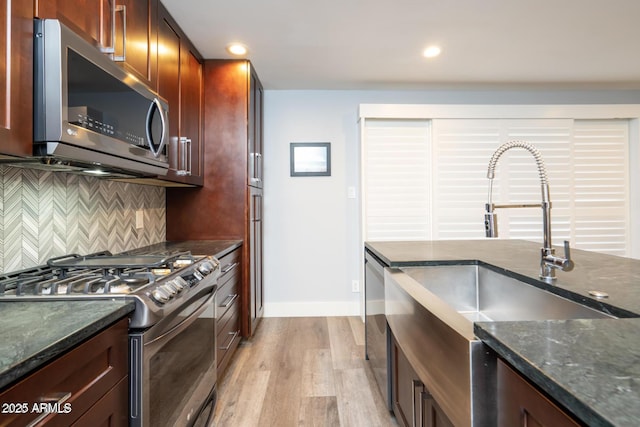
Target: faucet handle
x=568 y=263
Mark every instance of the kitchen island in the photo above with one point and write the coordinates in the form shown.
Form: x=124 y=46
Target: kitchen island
x=590 y=366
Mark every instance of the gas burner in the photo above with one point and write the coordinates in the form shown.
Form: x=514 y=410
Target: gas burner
x=158 y=283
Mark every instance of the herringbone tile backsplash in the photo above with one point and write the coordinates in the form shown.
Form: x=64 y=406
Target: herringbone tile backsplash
x=45 y=214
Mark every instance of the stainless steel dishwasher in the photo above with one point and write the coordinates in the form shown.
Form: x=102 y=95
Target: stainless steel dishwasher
x=377 y=336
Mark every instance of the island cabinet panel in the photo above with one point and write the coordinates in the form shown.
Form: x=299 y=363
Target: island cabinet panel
x=521 y=404
x=413 y=405
x=89 y=380
x=228 y=308
x=16 y=75
x=227 y=207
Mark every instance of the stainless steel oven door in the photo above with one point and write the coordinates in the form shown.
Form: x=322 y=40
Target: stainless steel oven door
x=173 y=373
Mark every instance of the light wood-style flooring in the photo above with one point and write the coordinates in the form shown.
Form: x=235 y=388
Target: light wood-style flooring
x=301 y=372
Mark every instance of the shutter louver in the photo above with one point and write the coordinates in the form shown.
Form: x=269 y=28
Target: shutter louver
x=427 y=180
x=397 y=176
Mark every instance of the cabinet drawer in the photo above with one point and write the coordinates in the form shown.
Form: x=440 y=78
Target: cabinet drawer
x=229 y=268
x=112 y=410
x=81 y=377
x=227 y=336
x=521 y=404
x=228 y=289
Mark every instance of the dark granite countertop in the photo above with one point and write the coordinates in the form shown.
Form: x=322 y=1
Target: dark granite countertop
x=618 y=276
x=216 y=248
x=35 y=332
x=592 y=367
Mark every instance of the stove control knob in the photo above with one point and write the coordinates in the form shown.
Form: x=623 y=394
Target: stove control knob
x=169 y=289
x=180 y=284
x=205 y=268
x=159 y=296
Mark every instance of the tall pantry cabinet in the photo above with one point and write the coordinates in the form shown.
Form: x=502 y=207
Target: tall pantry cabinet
x=229 y=204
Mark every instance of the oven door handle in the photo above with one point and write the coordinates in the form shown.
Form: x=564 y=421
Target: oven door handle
x=182 y=325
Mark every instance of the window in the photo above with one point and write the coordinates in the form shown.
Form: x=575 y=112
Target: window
x=426 y=179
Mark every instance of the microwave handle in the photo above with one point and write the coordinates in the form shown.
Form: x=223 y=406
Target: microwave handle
x=155 y=104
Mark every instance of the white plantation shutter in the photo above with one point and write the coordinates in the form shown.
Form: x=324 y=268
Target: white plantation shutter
x=461 y=153
x=397 y=179
x=427 y=181
x=600 y=189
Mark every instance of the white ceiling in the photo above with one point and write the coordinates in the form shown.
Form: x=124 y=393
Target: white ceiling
x=377 y=44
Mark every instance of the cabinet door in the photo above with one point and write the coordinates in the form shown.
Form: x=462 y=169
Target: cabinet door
x=191 y=149
x=180 y=83
x=413 y=404
x=135 y=35
x=521 y=404
x=169 y=82
x=112 y=410
x=16 y=76
x=255 y=247
x=255 y=139
x=91 y=19
x=431 y=415
x=406 y=388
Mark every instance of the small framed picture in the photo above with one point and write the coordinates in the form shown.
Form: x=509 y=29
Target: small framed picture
x=310 y=158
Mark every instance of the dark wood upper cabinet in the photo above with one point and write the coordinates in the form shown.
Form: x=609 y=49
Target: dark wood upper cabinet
x=91 y=19
x=255 y=140
x=180 y=83
x=123 y=29
x=135 y=35
x=16 y=109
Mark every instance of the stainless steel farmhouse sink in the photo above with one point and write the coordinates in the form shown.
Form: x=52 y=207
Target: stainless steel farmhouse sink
x=481 y=294
x=431 y=311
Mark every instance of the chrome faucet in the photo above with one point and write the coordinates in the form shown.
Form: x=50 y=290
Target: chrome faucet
x=549 y=262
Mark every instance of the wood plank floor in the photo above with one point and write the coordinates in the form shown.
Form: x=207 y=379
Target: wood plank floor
x=301 y=372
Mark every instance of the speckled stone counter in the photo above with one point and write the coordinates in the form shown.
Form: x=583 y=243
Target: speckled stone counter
x=34 y=332
x=619 y=277
x=591 y=367
x=217 y=248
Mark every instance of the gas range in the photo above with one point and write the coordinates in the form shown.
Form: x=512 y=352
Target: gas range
x=160 y=284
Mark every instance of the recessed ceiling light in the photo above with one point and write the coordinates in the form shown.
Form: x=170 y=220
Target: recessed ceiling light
x=431 y=52
x=237 y=49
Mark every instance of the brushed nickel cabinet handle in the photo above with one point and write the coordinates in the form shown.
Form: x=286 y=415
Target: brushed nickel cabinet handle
x=57 y=399
x=228 y=300
x=228 y=268
x=233 y=338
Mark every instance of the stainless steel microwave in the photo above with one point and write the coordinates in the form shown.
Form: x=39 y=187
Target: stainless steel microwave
x=90 y=111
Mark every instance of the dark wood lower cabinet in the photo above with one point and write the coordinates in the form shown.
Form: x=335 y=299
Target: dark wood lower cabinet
x=112 y=410
x=228 y=309
x=521 y=404
x=413 y=405
x=90 y=384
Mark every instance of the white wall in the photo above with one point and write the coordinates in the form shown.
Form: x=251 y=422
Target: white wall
x=311 y=239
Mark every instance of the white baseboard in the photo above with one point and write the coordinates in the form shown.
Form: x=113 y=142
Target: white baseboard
x=311 y=309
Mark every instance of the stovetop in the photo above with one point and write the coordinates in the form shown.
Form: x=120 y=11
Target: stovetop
x=96 y=273
x=160 y=283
